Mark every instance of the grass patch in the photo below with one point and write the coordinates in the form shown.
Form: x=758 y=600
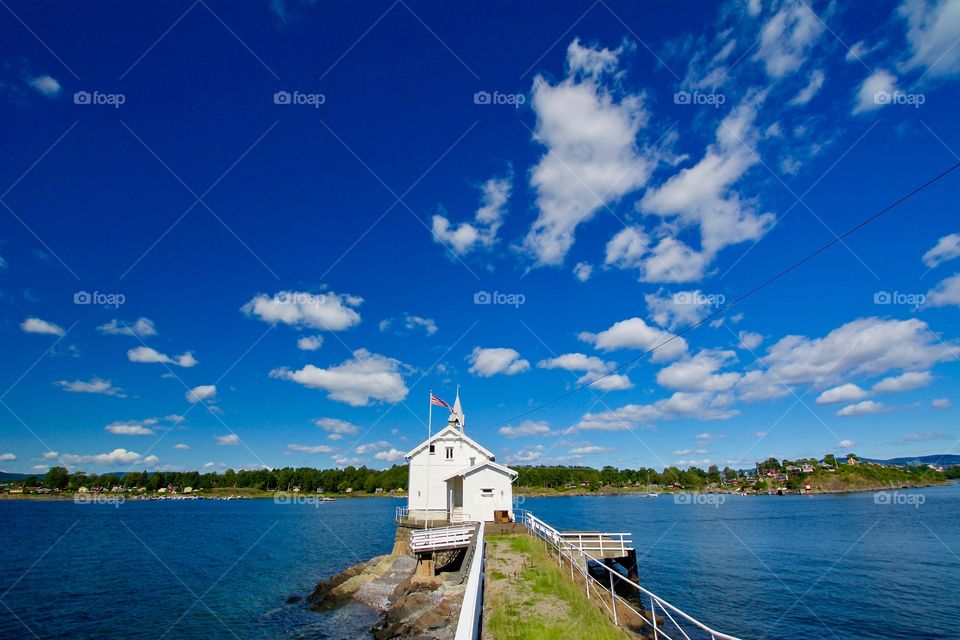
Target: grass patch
x=551 y=606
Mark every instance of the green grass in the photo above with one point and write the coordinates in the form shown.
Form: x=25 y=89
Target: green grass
x=516 y=616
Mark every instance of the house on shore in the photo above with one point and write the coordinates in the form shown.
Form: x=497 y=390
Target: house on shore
x=454 y=478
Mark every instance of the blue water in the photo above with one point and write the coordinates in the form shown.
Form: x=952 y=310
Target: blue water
x=765 y=567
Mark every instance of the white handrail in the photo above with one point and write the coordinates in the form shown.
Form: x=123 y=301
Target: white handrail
x=468 y=625
x=564 y=547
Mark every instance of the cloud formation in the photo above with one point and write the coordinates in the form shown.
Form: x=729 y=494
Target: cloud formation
x=482 y=232
x=589 y=129
x=366 y=377
x=330 y=311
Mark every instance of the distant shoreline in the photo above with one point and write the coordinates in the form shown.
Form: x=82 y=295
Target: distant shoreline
x=522 y=493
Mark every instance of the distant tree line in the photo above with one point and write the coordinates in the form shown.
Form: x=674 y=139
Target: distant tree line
x=307 y=478
x=366 y=479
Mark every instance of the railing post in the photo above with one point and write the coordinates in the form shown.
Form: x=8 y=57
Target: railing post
x=653 y=617
x=586 y=573
x=613 y=597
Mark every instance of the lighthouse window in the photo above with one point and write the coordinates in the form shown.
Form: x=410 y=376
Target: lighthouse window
x=449 y=453
x=433 y=449
x=486 y=493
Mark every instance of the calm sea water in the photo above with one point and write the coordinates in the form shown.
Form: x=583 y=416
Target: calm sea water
x=789 y=567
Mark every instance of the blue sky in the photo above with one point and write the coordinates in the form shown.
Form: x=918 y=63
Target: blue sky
x=257 y=235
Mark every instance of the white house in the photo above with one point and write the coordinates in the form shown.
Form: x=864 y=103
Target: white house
x=452 y=477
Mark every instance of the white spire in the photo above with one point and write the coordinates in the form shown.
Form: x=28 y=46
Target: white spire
x=456 y=414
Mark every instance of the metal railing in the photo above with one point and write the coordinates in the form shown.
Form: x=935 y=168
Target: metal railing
x=665 y=620
x=439 y=538
x=468 y=625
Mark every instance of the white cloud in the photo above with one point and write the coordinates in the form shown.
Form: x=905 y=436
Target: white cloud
x=482 y=232
x=310 y=343
x=143 y=328
x=871 y=92
x=49 y=455
x=701 y=196
x=864 y=408
x=592 y=368
x=527 y=455
x=706 y=435
x=634 y=333
x=844 y=393
x=591 y=158
x=337 y=426
x=202 y=393
x=749 y=340
x=7 y=457
x=36 y=325
x=132 y=427
x=151 y=459
x=627 y=248
x=867 y=346
x=699 y=373
x=573 y=362
x=93 y=385
x=367 y=376
x=786 y=39
x=330 y=311
x=947 y=248
x=808 y=92
x=390 y=456
x=229 y=440
x=527 y=428
x=364 y=449
x=411 y=322
x=486 y=362
x=588 y=450
x=904 y=382
x=700 y=405
x=860 y=49
x=46 y=85
x=946 y=293
x=940 y=403
x=181 y=446
x=582 y=271
x=117 y=456
x=311 y=449
x=933 y=29
x=677 y=310
x=151 y=356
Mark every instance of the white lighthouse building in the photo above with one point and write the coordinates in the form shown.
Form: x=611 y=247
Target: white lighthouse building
x=452 y=477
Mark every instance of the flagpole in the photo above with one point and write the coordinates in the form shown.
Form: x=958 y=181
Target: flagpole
x=429 y=435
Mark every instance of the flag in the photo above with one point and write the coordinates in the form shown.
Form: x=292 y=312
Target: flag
x=440 y=403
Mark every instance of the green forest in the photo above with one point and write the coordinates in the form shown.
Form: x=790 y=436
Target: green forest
x=559 y=478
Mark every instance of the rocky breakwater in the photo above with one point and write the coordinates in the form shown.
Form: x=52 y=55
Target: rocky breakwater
x=410 y=606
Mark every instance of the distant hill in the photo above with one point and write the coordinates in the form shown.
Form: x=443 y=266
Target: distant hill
x=15 y=477
x=946 y=460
